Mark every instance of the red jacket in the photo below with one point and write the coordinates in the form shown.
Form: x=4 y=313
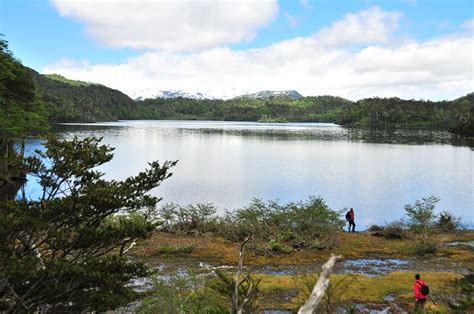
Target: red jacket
x=416 y=288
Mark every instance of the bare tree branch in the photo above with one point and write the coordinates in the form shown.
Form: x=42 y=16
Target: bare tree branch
x=237 y=282
x=320 y=287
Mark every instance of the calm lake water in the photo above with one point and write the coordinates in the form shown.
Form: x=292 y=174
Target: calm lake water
x=229 y=163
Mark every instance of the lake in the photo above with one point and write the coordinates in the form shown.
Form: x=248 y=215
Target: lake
x=230 y=163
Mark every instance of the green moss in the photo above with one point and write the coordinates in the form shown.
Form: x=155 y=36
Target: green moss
x=175 y=249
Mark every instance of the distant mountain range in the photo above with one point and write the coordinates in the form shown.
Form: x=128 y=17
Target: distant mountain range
x=196 y=95
x=266 y=94
x=170 y=94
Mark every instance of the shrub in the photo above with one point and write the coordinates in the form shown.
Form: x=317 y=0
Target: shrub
x=447 y=222
x=375 y=228
x=464 y=301
x=277 y=247
x=183 y=294
x=294 y=225
x=395 y=230
x=425 y=244
x=199 y=218
x=176 y=249
x=421 y=214
x=64 y=252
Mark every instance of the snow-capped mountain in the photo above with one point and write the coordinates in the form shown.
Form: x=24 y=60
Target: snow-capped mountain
x=167 y=94
x=199 y=95
x=267 y=94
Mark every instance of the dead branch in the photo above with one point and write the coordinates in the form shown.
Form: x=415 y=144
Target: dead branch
x=320 y=287
x=236 y=308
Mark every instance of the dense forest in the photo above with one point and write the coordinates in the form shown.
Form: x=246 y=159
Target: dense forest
x=455 y=115
x=74 y=101
x=21 y=113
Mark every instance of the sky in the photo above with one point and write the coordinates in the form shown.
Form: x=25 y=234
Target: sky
x=412 y=49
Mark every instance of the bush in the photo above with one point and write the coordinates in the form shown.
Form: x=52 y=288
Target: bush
x=393 y=230
x=183 y=294
x=293 y=225
x=426 y=244
x=277 y=247
x=65 y=251
x=375 y=228
x=421 y=214
x=176 y=249
x=199 y=218
x=447 y=222
x=464 y=301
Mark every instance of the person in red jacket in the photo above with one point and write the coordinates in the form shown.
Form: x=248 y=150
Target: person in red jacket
x=420 y=298
x=350 y=218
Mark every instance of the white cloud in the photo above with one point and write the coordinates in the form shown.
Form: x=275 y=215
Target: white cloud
x=178 y=25
x=439 y=68
x=369 y=26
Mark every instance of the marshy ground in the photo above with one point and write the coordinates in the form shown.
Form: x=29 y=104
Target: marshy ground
x=375 y=274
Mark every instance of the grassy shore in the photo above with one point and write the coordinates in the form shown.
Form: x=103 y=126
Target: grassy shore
x=350 y=245
x=349 y=288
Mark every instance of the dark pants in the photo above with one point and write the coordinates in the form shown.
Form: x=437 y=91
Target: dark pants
x=351 y=223
x=419 y=304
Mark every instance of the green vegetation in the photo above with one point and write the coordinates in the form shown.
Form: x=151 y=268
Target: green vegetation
x=61 y=78
x=274 y=228
x=75 y=101
x=183 y=294
x=280 y=228
x=176 y=249
x=455 y=116
x=393 y=230
x=191 y=219
x=64 y=252
x=465 y=298
x=32 y=97
x=21 y=113
x=274 y=109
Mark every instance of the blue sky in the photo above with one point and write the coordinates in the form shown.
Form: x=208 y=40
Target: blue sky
x=72 y=40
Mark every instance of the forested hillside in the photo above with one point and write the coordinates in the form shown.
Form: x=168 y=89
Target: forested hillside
x=456 y=115
x=245 y=109
x=21 y=113
x=74 y=101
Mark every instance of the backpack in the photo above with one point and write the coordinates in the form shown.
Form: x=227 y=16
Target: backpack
x=424 y=290
x=348 y=216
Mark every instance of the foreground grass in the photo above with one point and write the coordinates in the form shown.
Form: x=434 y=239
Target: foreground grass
x=392 y=291
x=350 y=245
x=289 y=292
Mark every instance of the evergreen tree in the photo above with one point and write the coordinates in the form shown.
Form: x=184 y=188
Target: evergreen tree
x=65 y=251
x=21 y=112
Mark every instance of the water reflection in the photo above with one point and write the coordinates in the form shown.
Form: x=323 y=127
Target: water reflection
x=228 y=163
x=280 y=131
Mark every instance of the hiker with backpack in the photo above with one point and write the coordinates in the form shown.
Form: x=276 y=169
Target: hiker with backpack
x=421 y=291
x=350 y=217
